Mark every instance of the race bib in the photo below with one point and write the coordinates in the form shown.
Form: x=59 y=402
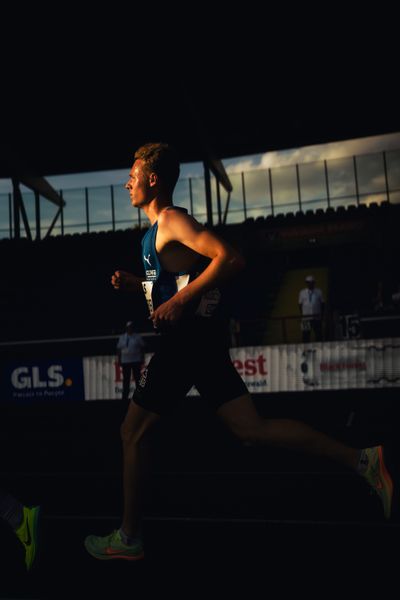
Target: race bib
x=148 y=288
x=208 y=303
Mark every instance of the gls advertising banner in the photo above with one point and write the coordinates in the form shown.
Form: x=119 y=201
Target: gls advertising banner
x=42 y=380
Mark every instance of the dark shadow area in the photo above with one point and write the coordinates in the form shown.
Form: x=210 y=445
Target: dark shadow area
x=217 y=513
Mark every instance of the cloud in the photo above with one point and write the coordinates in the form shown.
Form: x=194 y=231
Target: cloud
x=308 y=154
x=248 y=163
x=319 y=152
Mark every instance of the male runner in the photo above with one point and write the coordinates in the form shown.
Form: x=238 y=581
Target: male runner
x=183 y=297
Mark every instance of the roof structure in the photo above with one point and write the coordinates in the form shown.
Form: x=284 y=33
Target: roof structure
x=84 y=101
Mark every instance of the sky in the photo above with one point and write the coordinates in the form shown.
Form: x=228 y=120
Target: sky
x=265 y=160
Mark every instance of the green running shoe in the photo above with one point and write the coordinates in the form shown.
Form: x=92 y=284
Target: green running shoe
x=27 y=533
x=379 y=478
x=112 y=546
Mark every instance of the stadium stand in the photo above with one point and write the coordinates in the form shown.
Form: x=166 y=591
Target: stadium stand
x=68 y=455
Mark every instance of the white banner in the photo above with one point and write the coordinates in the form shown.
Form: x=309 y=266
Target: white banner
x=103 y=377
x=282 y=368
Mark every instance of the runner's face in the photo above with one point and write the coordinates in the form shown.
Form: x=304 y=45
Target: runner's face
x=138 y=185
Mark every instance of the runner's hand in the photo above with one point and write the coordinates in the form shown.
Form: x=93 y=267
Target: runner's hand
x=122 y=280
x=166 y=314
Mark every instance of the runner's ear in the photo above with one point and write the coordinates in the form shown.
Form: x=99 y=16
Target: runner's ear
x=153 y=179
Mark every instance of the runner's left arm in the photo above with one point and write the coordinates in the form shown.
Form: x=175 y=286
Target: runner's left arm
x=224 y=263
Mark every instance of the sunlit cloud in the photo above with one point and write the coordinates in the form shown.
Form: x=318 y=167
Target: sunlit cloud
x=249 y=163
x=318 y=152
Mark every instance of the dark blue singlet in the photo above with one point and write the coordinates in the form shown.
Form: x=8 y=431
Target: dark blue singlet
x=161 y=285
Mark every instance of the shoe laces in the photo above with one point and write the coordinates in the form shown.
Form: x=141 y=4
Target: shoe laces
x=115 y=536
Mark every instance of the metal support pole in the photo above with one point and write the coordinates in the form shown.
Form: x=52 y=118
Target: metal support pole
x=191 y=195
x=37 y=215
x=356 y=179
x=298 y=185
x=10 y=216
x=21 y=207
x=112 y=208
x=244 y=196
x=207 y=183
x=16 y=198
x=87 y=209
x=219 y=202
x=386 y=177
x=327 y=183
x=62 y=213
x=270 y=191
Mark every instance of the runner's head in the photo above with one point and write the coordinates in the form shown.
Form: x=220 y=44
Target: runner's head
x=162 y=160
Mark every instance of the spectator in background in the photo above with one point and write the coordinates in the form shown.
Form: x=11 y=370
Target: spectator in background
x=234 y=332
x=396 y=298
x=378 y=303
x=130 y=349
x=312 y=305
x=24 y=521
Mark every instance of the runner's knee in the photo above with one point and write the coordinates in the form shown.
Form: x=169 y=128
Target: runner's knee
x=248 y=433
x=134 y=433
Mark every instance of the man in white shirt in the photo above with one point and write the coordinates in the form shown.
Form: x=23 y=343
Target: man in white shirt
x=311 y=304
x=130 y=349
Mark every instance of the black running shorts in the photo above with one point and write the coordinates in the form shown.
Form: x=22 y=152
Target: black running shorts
x=193 y=353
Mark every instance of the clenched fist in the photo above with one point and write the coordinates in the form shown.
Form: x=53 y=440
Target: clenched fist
x=122 y=280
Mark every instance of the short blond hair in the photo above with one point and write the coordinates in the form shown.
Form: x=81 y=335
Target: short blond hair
x=161 y=159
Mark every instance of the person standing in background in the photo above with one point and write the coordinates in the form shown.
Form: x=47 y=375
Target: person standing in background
x=130 y=349
x=312 y=305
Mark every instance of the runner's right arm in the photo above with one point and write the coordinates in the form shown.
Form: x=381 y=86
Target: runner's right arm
x=122 y=280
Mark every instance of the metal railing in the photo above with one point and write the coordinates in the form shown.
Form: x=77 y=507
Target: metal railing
x=361 y=179
x=335 y=327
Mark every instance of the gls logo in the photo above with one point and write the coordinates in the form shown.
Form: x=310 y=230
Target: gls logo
x=29 y=377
